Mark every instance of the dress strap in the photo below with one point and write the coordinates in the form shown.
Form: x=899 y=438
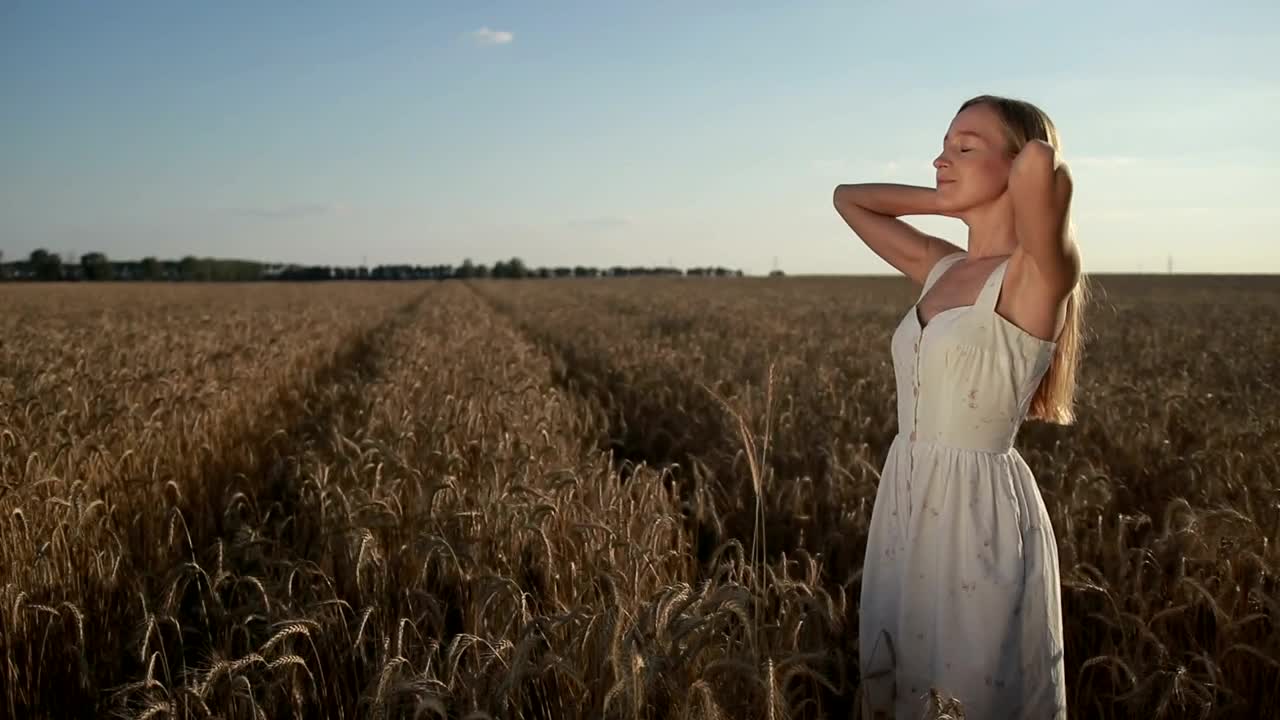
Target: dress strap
x=938 y=268
x=990 y=293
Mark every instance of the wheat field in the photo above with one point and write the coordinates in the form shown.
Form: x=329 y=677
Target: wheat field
x=585 y=498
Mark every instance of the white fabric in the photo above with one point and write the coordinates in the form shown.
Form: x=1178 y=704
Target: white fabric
x=960 y=588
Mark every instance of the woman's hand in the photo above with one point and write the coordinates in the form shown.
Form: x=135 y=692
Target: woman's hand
x=1040 y=189
x=1035 y=156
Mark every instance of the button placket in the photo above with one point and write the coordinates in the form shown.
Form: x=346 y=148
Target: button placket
x=915 y=390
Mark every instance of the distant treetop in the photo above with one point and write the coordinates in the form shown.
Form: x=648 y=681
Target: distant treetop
x=42 y=265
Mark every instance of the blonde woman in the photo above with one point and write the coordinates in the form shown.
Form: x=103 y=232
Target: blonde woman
x=960 y=589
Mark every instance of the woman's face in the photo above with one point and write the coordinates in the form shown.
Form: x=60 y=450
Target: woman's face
x=973 y=167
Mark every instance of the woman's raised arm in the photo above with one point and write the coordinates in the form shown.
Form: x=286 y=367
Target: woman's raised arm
x=872 y=209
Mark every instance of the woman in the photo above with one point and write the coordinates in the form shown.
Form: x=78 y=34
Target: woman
x=960 y=589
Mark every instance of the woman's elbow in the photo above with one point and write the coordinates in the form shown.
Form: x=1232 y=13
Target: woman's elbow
x=842 y=195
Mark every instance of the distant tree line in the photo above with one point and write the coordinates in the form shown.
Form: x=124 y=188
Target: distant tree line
x=43 y=265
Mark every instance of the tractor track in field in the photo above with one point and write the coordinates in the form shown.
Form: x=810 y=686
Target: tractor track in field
x=260 y=464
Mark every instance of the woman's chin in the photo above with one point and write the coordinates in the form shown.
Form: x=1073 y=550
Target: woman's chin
x=949 y=206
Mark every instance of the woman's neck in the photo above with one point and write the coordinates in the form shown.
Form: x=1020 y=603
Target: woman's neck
x=991 y=231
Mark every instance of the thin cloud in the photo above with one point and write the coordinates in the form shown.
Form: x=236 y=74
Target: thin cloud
x=1181 y=212
x=292 y=211
x=850 y=170
x=1103 y=161
x=602 y=222
x=831 y=165
x=486 y=36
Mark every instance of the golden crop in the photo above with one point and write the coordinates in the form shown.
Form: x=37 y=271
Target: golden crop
x=580 y=498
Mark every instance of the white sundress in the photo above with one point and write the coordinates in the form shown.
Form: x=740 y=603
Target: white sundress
x=960 y=587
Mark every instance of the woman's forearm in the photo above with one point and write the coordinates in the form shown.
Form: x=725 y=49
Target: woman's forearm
x=892 y=199
x=871 y=210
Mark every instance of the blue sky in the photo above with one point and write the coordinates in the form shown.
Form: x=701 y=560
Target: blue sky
x=616 y=133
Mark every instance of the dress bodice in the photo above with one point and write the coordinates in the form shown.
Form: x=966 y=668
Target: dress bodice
x=966 y=378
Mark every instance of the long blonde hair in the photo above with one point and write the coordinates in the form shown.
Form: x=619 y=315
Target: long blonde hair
x=1054 y=399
